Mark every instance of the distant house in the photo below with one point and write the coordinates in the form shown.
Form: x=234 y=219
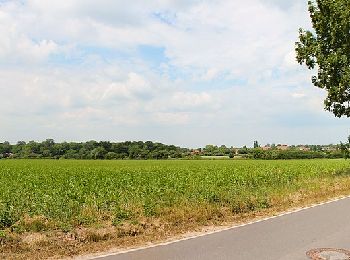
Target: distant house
x=266 y=147
x=330 y=148
x=282 y=147
x=304 y=148
x=235 y=150
x=195 y=152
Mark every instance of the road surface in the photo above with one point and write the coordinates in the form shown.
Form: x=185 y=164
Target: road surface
x=287 y=237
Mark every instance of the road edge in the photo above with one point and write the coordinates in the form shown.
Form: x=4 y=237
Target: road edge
x=207 y=233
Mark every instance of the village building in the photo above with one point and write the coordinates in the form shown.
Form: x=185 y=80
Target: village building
x=282 y=147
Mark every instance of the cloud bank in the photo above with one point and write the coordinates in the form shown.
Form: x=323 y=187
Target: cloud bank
x=182 y=72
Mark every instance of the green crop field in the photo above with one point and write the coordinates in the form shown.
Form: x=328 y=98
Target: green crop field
x=46 y=195
x=62 y=191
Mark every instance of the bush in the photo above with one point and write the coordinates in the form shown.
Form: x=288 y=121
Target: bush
x=7 y=218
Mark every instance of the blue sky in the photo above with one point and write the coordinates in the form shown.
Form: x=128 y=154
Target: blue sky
x=181 y=72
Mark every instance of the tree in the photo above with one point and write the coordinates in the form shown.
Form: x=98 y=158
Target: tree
x=256 y=144
x=345 y=149
x=111 y=155
x=98 y=153
x=327 y=48
x=5 y=148
x=46 y=147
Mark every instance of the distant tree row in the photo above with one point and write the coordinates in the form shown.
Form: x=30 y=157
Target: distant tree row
x=91 y=150
x=292 y=154
x=149 y=150
x=213 y=150
x=273 y=153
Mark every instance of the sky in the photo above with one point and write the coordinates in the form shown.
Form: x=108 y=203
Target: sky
x=183 y=72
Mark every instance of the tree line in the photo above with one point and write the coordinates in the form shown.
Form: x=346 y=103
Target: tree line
x=257 y=153
x=90 y=150
x=49 y=149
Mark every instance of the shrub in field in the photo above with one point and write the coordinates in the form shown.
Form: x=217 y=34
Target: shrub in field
x=7 y=216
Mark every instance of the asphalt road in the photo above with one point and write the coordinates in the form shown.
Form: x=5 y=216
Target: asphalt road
x=288 y=237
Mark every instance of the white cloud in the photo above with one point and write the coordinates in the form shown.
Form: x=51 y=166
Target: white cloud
x=134 y=86
x=172 y=118
x=298 y=95
x=210 y=74
x=191 y=99
x=17 y=47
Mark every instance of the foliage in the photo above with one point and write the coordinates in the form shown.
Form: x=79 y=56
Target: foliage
x=256 y=144
x=327 y=48
x=274 y=154
x=90 y=150
x=345 y=149
x=7 y=218
x=214 y=150
x=148 y=150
